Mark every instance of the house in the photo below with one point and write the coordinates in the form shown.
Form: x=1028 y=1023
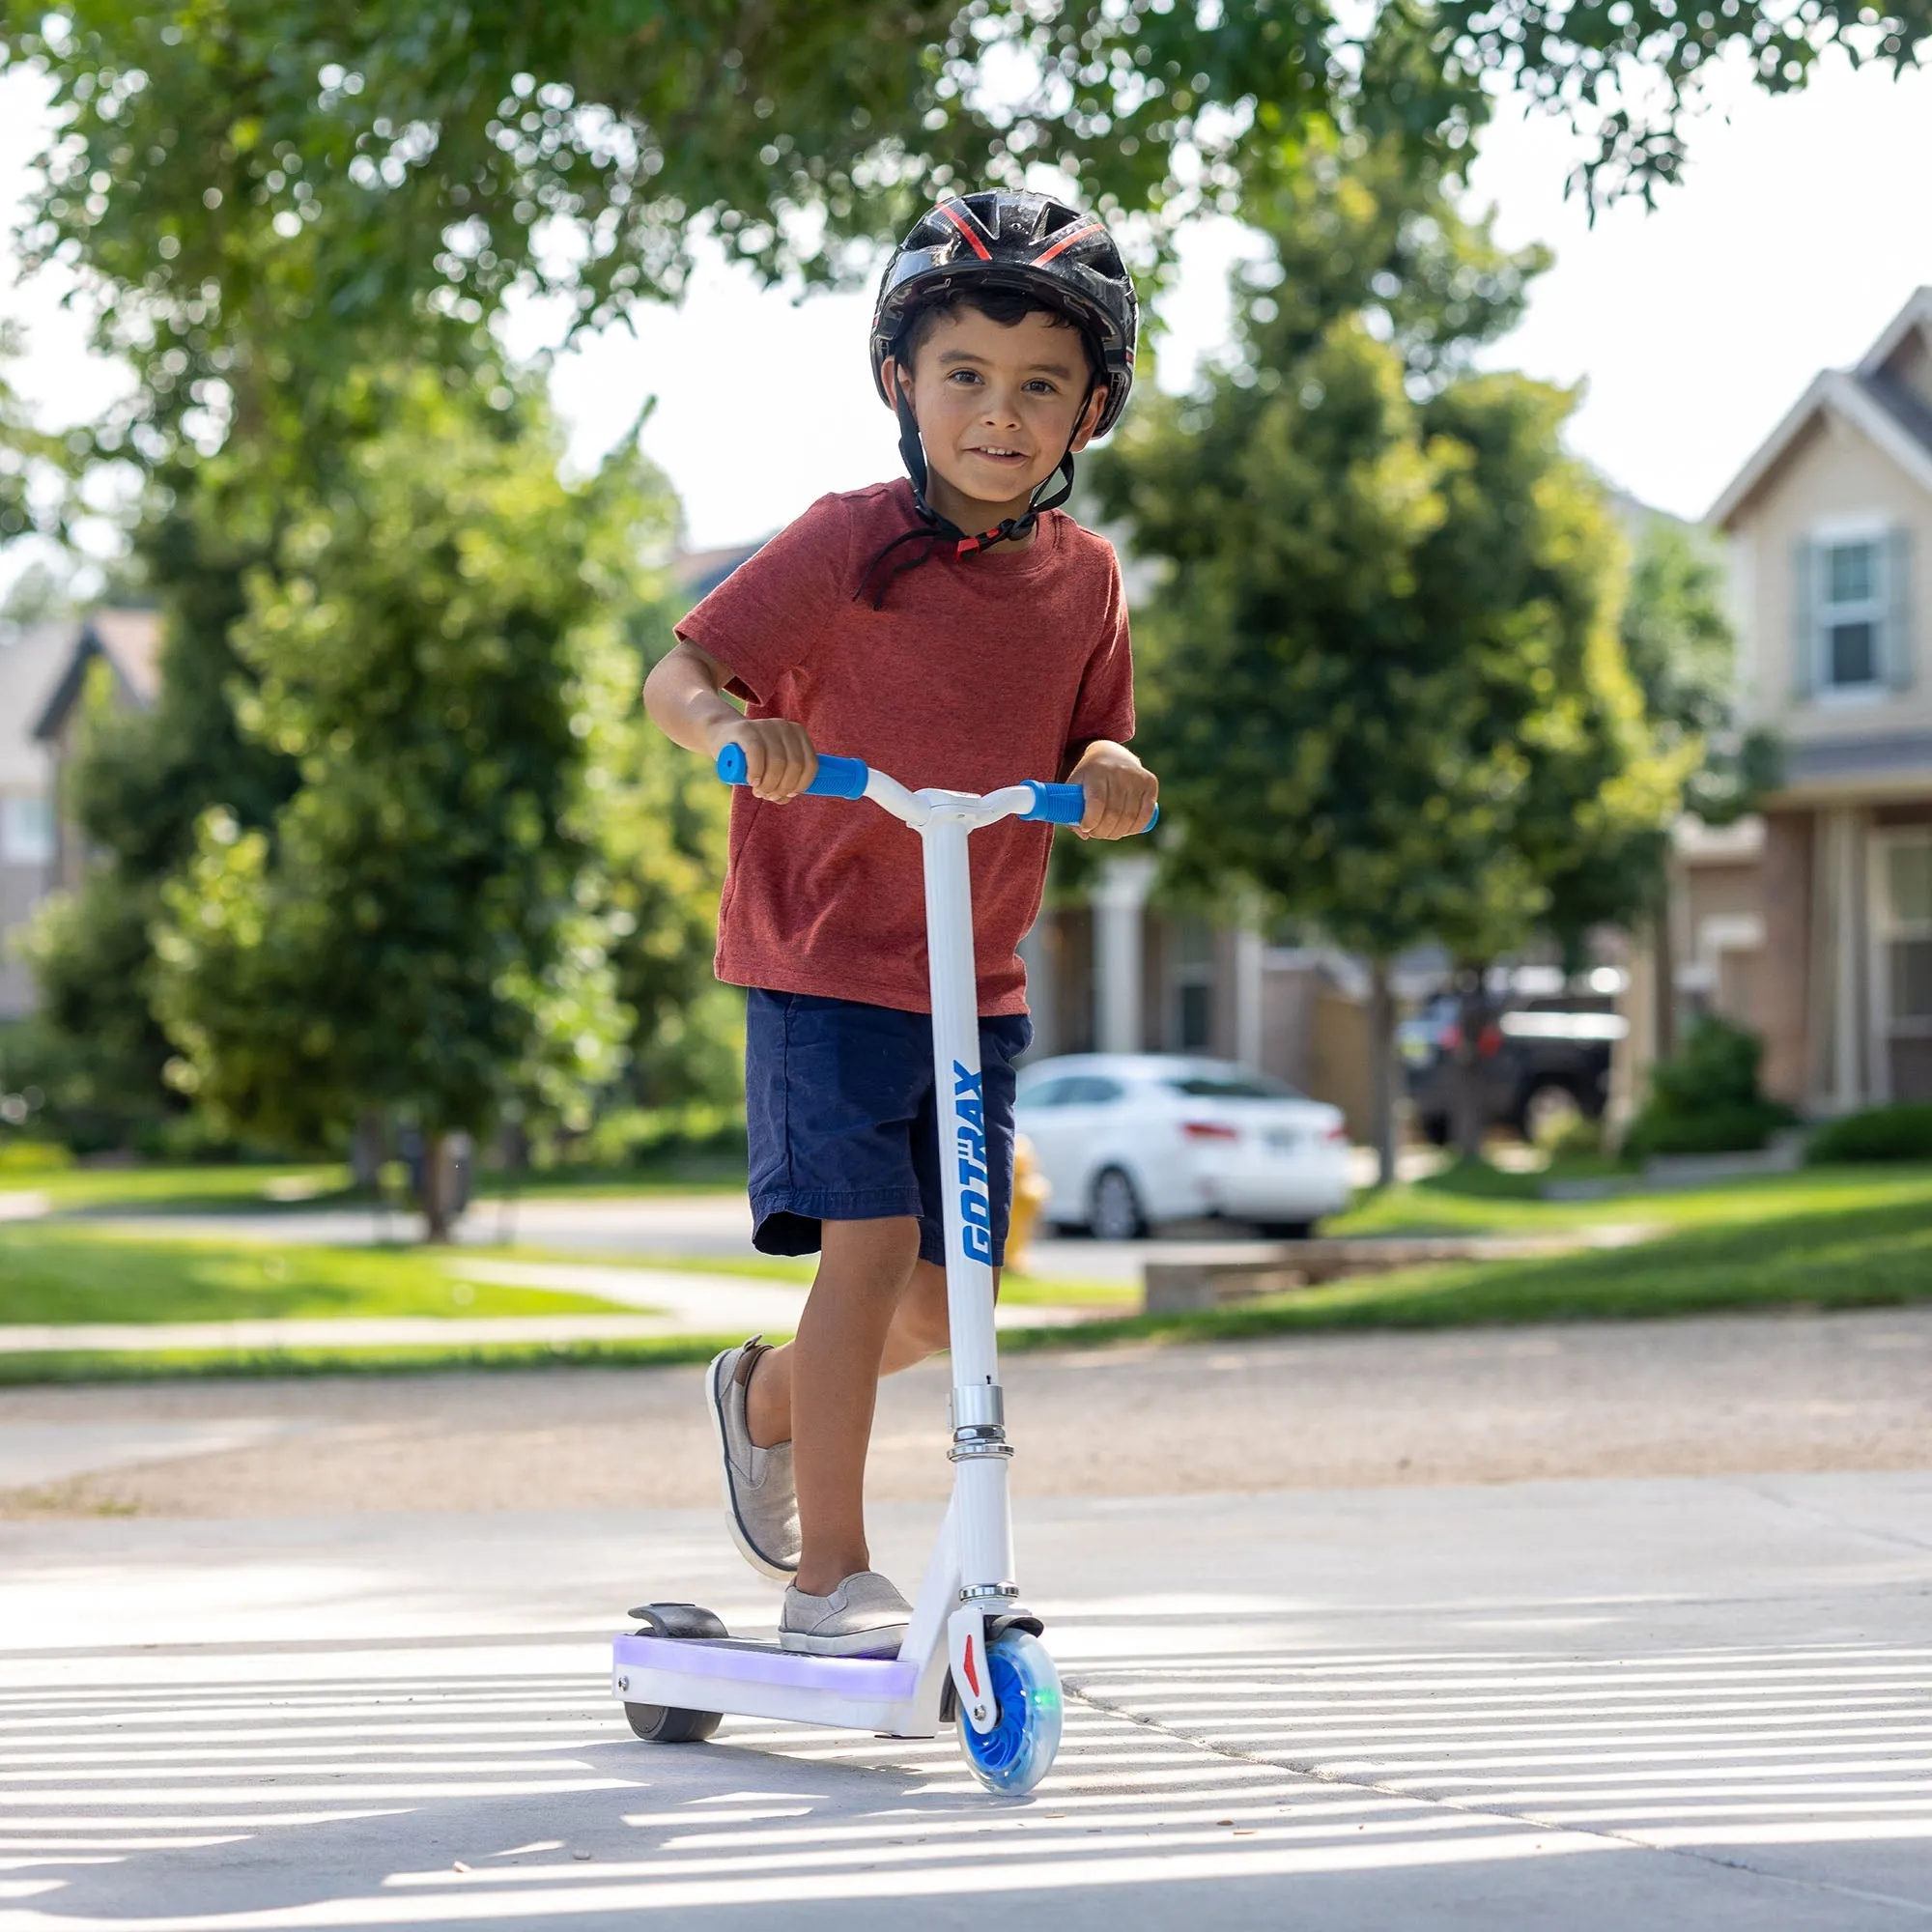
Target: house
x=128 y=645
x=30 y=665
x=1814 y=923
x=43 y=671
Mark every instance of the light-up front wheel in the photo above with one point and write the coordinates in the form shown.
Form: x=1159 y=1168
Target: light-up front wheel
x=1018 y=1752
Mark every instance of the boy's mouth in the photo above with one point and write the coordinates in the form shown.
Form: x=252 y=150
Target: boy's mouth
x=1001 y=454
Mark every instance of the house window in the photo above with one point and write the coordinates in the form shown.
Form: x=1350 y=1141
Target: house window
x=1906 y=931
x=1193 y=984
x=1851 y=616
x=26 y=829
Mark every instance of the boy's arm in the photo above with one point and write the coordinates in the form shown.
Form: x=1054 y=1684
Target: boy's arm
x=685 y=697
x=1120 y=791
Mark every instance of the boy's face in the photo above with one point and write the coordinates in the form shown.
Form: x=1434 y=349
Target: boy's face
x=996 y=407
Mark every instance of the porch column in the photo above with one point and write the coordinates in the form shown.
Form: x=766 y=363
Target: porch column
x=1119 y=897
x=1248 y=997
x=1037 y=954
x=1844 y=887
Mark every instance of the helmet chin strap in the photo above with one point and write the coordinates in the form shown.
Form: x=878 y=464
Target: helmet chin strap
x=937 y=530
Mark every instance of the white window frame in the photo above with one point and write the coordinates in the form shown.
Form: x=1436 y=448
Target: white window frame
x=1886 y=928
x=1842 y=534
x=1184 y=974
x=14 y=805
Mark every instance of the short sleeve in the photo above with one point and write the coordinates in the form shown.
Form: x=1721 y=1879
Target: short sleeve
x=1105 y=706
x=763 y=620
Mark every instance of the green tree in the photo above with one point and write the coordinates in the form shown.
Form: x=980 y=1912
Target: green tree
x=425 y=924
x=1681 y=649
x=444 y=154
x=24 y=451
x=1679 y=643
x=141 y=780
x=1385 y=684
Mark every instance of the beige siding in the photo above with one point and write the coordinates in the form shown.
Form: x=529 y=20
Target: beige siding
x=1833 y=474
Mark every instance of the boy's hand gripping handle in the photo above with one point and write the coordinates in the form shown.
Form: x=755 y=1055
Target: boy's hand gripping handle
x=1066 y=804
x=845 y=777
x=834 y=778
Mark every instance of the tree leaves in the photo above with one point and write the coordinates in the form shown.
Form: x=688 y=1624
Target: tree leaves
x=1386 y=688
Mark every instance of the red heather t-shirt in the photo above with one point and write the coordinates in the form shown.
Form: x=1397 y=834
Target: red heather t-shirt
x=979 y=671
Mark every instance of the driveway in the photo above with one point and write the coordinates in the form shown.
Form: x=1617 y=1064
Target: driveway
x=1693 y=1703
x=1611 y=1628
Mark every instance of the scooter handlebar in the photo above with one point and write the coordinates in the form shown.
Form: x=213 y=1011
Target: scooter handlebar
x=834 y=778
x=845 y=777
x=1066 y=804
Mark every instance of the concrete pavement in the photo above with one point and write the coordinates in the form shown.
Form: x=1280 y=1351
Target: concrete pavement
x=1697 y=1704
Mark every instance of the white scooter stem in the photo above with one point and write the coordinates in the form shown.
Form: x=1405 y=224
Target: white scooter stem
x=981 y=1518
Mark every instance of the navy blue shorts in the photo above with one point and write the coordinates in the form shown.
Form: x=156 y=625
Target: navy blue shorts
x=838 y=1108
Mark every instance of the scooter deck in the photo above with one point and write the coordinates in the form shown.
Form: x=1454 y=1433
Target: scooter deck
x=759 y=1680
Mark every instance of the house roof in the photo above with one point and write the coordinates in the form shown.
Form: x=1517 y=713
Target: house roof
x=131 y=641
x=1872 y=397
x=30 y=666
x=697 y=573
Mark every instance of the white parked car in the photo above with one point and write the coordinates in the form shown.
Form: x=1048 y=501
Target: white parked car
x=1126 y=1140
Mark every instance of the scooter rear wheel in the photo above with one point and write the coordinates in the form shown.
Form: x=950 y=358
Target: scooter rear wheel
x=666 y=1725
x=1019 y=1751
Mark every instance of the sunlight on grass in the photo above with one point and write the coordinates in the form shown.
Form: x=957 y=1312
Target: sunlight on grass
x=1485 y=1202
x=180 y=1187
x=77 y=1273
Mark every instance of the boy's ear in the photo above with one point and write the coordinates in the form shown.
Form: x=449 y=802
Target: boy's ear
x=1090 y=418
x=888 y=370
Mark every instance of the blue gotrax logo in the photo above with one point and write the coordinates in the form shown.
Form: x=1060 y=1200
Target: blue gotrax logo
x=976 y=1204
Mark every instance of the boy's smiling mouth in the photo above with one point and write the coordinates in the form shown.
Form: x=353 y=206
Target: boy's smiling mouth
x=998 y=453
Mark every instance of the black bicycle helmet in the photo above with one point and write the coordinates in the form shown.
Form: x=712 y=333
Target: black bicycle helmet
x=1009 y=242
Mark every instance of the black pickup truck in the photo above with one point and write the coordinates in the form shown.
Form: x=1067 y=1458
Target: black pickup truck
x=1540 y=1062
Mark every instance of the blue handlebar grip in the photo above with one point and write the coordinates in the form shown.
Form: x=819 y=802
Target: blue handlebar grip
x=1055 y=805
x=836 y=777
x=1066 y=804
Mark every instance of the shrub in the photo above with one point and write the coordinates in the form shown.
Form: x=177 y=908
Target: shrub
x=1878 y=1133
x=24 y=1156
x=1705 y=1098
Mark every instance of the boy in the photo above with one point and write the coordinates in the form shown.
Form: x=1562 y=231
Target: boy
x=962 y=633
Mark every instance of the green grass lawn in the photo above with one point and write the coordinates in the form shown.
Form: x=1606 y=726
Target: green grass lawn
x=1822 y=1238
x=1844 y=1239
x=64 y=1272
x=1482 y=1200
x=294 y=1185
x=178 y=1189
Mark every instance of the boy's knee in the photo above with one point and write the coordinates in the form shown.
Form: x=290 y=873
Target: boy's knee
x=925 y=1319
x=878 y=1257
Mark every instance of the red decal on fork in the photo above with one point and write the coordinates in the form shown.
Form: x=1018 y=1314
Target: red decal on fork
x=972 y=1675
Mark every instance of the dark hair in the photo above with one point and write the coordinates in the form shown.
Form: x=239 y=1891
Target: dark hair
x=1008 y=307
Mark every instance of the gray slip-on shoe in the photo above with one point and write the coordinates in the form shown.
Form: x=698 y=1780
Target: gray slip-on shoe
x=761 y=1497
x=864 y=1617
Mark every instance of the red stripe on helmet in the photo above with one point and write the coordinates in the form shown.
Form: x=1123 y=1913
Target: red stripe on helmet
x=1067 y=242
x=965 y=226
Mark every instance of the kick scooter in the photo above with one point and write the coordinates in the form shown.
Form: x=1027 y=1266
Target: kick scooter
x=971 y=1652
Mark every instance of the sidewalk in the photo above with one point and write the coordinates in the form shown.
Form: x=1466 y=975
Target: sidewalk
x=668 y=1302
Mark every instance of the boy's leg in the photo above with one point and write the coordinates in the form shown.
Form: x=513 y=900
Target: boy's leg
x=919 y=1330
x=835 y=1361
